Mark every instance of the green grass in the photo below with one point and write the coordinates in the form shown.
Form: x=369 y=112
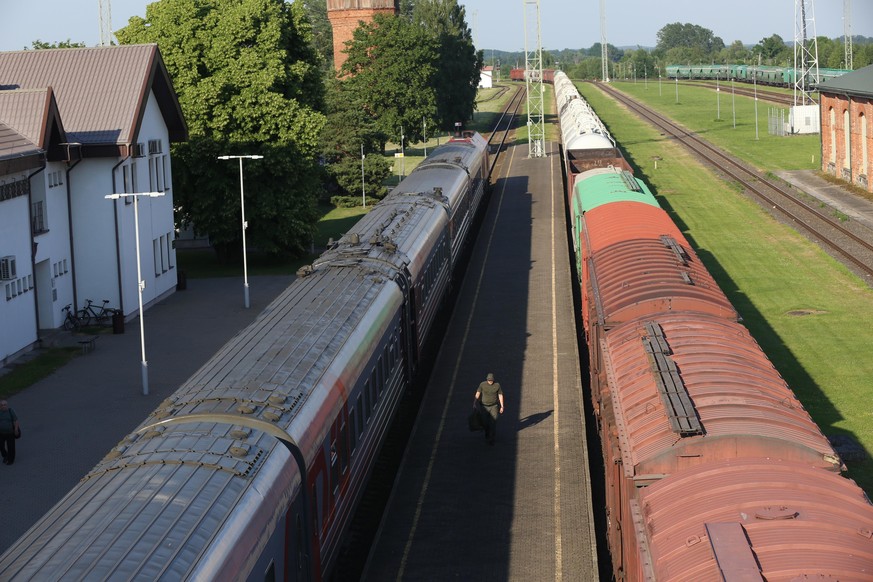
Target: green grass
x=812 y=317
x=35 y=370
x=698 y=110
x=203 y=263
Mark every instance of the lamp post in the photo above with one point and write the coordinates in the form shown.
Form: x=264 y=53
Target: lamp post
x=140 y=282
x=242 y=204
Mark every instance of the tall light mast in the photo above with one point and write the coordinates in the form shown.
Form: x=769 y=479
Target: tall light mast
x=604 y=52
x=105 y=9
x=533 y=75
x=805 y=52
x=847 y=34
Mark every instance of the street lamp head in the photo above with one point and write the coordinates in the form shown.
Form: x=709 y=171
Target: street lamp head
x=116 y=196
x=223 y=157
x=249 y=157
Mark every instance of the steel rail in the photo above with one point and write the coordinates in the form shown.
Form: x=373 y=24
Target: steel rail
x=748 y=179
x=506 y=118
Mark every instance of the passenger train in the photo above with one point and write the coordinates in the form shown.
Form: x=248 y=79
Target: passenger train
x=713 y=468
x=253 y=468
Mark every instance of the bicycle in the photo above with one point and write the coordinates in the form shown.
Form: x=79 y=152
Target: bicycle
x=99 y=315
x=71 y=320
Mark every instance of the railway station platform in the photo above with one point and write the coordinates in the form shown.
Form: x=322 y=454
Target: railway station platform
x=521 y=509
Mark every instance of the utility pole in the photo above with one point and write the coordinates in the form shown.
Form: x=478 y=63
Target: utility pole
x=604 y=51
x=847 y=34
x=533 y=72
x=104 y=9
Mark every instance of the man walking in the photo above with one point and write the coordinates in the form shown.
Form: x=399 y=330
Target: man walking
x=8 y=430
x=490 y=394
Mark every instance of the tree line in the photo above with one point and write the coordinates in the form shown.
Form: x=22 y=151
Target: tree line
x=256 y=77
x=684 y=44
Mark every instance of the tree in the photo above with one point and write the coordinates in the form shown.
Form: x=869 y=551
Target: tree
x=322 y=31
x=40 y=45
x=248 y=82
x=348 y=129
x=689 y=36
x=772 y=48
x=391 y=72
x=458 y=63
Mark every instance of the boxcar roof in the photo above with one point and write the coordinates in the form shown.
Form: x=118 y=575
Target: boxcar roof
x=716 y=370
x=597 y=187
x=770 y=506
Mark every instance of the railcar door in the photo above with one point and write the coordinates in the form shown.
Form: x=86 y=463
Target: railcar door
x=298 y=552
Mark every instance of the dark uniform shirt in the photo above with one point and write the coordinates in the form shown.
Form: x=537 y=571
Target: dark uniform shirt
x=7 y=421
x=488 y=393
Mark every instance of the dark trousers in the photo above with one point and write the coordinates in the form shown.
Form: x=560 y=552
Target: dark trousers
x=7 y=448
x=489 y=415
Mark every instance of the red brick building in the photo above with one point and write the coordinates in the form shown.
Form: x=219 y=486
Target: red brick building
x=847 y=127
x=345 y=16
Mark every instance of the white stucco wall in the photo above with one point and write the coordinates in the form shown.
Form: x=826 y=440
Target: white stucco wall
x=17 y=295
x=53 y=260
x=104 y=230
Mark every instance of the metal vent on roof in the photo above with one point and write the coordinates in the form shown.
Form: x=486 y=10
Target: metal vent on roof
x=630 y=181
x=733 y=552
x=677 y=249
x=674 y=394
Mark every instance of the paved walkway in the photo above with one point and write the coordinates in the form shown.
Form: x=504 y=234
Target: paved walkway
x=71 y=419
x=835 y=196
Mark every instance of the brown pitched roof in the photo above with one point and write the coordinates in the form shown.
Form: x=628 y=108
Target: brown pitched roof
x=101 y=91
x=31 y=112
x=17 y=153
x=857 y=83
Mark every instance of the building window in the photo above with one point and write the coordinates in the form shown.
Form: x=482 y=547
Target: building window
x=865 y=152
x=156 y=253
x=833 y=116
x=847 y=138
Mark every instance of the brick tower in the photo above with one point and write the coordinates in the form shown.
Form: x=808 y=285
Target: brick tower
x=344 y=16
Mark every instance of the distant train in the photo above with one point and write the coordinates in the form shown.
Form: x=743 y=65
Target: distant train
x=766 y=75
x=517 y=74
x=713 y=469
x=253 y=468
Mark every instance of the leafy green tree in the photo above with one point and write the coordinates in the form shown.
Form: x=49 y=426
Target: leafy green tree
x=688 y=36
x=322 y=31
x=458 y=63
x=391 y=71
x=771 y=49
x=248 y=82
x=40 y=45
x=349 y=129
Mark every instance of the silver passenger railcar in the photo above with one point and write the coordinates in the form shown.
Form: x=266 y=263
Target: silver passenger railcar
x=253 y=468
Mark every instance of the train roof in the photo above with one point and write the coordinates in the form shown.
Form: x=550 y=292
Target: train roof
x=689 y=389
x=639 y=263
x=601 y=186
x=153 y=505
x=734 y=520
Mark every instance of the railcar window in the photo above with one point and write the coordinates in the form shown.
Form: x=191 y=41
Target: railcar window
x=368 y=404
x=353 y=433
x=380 y=367
x=344 y=447
x=374 y=394
x=334 y=469
x=270 y=574
x=360 y=409
x=316 y=507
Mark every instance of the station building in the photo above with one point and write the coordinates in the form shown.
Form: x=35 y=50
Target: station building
x=847 y=127
x=77 y=125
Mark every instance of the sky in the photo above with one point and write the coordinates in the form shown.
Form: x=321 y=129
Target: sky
x=497 y=24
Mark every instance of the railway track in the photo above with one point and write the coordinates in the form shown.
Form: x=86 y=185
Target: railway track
x=356 y=545
x=744 y=90
x=504 y=125
x=849 y=243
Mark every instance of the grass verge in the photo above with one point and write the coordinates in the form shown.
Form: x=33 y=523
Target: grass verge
x=35 y=370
